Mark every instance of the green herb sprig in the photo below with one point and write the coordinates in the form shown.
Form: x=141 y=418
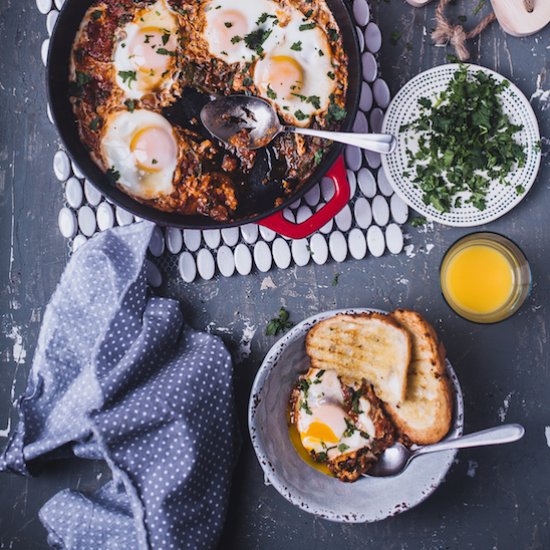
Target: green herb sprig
x=278 y=324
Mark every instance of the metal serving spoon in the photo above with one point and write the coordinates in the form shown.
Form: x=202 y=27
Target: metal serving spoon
x=397 y=457
x=227 y=117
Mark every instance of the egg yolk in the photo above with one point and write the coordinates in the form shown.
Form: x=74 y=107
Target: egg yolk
x=154 y=149
x=144 y=48
x=326 y=427
x=223 y=26
x=283 y=74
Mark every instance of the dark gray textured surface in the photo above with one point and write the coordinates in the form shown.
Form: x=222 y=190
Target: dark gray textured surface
x=493 y=498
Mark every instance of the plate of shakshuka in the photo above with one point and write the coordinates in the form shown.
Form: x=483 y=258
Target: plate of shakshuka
x=339 y=389
x=133 y=61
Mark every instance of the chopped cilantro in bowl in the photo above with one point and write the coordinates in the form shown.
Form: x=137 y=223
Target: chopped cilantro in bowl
x=464 y=142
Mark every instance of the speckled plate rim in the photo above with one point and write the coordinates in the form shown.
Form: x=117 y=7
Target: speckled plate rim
x=269 y=364
x=406 y=89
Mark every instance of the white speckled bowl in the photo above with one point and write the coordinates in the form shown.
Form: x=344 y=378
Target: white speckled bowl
x=366 y=500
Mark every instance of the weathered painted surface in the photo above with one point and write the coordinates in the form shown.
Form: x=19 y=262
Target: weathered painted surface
x=493 y=498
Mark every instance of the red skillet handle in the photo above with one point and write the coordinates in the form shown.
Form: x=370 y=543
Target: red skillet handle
x=278 y=223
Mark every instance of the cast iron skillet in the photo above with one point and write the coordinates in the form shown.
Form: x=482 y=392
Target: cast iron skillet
x=258 y=199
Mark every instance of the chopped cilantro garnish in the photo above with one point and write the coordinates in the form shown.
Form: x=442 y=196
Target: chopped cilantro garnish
x=228 y=24
x=343 y=447
x=164 y=51
x=418 y=221
x=270 y=93
x=300 y=115
x=95 y=123
x=128 y=77
x=247 y=81
x=331 y=75
x=236 y=39
x=333 y=35
x=264 y=17
x=279 y=324
x=96 y=14
x=306 y=26
x=255 y=39
x=165 y=38
x=297 y=46
x=130 y=104
x=317 y=157
x=336 y=279
x=113 y=174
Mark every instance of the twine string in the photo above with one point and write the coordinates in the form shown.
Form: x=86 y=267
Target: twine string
x=447 y=33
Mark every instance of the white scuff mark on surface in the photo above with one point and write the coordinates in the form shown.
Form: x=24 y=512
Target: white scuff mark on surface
x=547 y=435
x=402 y=281
x=409 y=251
x=472 y=467
x=267 y=282
x=429 y=248
x=19 y=353
x=541 y=95
x=503 y=411
x=245 y=344
x=6 y=432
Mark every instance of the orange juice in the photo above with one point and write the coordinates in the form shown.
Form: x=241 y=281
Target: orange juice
x=485 y=277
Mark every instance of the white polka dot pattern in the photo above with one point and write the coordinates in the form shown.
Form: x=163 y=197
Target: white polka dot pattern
x=117 y=376
x=367 y=183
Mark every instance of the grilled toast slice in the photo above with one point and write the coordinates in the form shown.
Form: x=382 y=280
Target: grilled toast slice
x=369 y=346
x=424 y=417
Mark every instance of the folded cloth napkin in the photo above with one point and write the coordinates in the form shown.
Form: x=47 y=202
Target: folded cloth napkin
x=117 y=376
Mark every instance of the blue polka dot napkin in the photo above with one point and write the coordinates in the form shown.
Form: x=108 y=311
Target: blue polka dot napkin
x=118 y=376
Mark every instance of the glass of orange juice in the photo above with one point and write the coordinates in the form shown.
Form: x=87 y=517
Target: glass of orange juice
x=485 y=277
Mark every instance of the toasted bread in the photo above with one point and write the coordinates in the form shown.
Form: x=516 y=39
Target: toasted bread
x=425 y=415
x=369 y=346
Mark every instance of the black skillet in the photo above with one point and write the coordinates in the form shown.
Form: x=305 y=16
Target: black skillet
x=258 y=197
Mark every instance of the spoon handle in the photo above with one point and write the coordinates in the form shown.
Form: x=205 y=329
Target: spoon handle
x=506 y=433
x=379 y=143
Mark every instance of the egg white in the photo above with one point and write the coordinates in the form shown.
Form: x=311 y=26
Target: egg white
x=120 y=130
x=151 y=30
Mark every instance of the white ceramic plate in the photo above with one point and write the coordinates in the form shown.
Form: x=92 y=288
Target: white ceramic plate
x=501 y=199
x=366 y=500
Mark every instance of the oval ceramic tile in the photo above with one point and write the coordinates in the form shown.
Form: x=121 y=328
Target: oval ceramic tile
x=399 y=210
x=205 y=264
x=243 y=259
x=296 y=204
x=357 y=244
x=192 y=239
x=394 y=238
x=375 y=241
x=86 y=221
x=212 y=237
x=250 y=232
x=78 y=241
x=123 y=217
x=61 y=166
x=105 y=216
x=49 y=114
x=338 y=246
x=360 y=125
x=343 y=219
x=44 y=51
x=319 y=249
x=174 y=239
x=327 y=228
x=361 y=12
x=154 y=276
x=44 y=6
x=225 y=261
x=73 y=193
x=360 y=39
x=383 y=184
x=50 y=20
x=303 y=214
x=59 y=4
x=366 y=99
x=373 y=159
x=230 y=235
x=187 y=267
x=352 y=180
x=66 y=221
x=380 y=210
x=93 y=196
x=381 y=93
x=362 y=213
x=370 y=67
x=288 y=215
x=366 y=182
x=262 y=256
x=373 y=37
x=327 y=188
x=268 y=234
x=77 y=172
x=312 y=196
x=300 y=252
x=353 y=157
x=156 y=245
x=376 y=118
x=281 y=253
